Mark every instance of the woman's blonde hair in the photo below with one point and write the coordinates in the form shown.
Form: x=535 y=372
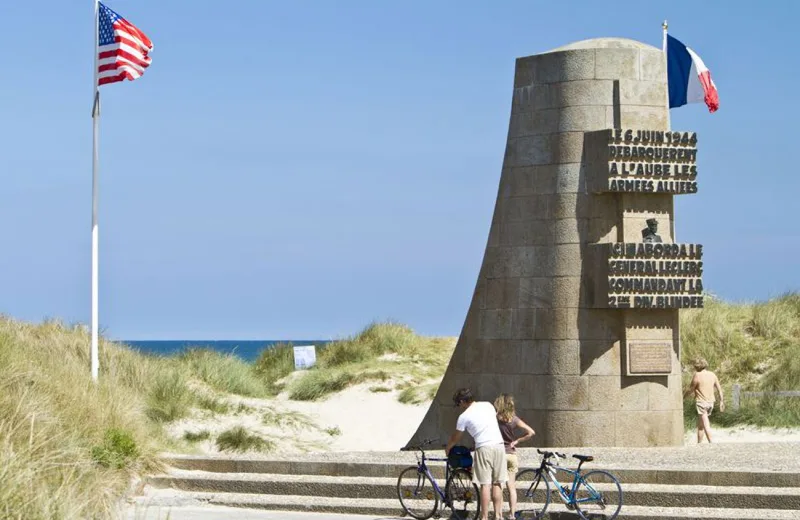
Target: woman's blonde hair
x=700 y=364
x=504 y=405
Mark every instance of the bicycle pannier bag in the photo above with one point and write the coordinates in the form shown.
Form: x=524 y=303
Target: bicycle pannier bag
x=459 y=457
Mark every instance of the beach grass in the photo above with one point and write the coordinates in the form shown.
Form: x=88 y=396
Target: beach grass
x=381 y=352
x=273 y=364
x=238 y=439
x=223 y=372
x=754 y=345
x=68 y=446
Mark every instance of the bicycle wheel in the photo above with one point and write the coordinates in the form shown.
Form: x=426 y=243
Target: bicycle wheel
x=416 y=493
x=533 y=494
x=598 y=496
x=463 y=495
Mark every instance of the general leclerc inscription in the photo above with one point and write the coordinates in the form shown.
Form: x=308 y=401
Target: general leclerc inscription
x=642 y=161
x=652 y=275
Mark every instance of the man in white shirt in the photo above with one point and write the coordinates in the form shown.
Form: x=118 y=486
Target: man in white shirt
x=489 y=467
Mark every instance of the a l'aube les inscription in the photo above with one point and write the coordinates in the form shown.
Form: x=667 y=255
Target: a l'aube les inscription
x=644 y=161
x=654 y=275
x=647 y=358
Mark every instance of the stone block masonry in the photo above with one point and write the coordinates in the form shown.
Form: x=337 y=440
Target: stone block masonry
x=561 y=315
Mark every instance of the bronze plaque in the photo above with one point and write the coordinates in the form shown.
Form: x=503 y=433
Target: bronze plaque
x=649 y=358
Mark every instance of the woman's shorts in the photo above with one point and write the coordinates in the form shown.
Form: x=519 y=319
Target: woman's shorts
x=512 y=463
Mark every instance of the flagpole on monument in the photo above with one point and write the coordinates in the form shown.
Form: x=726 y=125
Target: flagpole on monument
x=95 y=163
x=669 y=122
x=666 y=67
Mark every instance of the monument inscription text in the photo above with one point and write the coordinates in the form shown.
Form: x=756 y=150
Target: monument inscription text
x=651 y=275
x=643 y=161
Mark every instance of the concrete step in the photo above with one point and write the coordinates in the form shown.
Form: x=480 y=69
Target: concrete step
x=635 y=494
x=391 y=508
x=677 y=476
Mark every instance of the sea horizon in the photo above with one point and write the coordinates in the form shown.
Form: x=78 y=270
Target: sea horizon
x=246 y=349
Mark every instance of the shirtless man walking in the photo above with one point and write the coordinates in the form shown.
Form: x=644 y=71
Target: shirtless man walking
x=702 y=386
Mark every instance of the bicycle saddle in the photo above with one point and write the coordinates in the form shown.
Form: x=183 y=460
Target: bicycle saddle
x=584 y=458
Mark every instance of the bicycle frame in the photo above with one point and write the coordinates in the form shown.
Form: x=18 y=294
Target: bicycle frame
x=548 y=470
x=422 y=467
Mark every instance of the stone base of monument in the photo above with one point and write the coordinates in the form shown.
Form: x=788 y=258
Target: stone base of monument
x=720 y=483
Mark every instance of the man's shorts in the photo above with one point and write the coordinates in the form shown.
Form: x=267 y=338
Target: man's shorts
x=512 y=463
x=704 y=407
x=489 y=466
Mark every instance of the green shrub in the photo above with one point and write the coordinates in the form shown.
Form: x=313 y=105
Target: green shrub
x=117 y=451
x=239 y=439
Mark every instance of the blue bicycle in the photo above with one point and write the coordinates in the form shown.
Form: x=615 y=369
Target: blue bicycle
x=596 y=495
x=419 y=493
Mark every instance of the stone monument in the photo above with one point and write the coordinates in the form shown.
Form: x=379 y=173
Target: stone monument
x=575 y=311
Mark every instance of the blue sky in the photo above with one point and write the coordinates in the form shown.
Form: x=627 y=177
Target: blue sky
x=298 y=169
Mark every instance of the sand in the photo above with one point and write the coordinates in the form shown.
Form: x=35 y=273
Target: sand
x=358 y=419
x=355 y=419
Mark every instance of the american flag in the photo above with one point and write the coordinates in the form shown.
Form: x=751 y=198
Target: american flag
x=122 y=49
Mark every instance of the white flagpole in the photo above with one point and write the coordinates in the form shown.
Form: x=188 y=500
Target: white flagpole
x=666 y=67
x=669 y=123
x=95 y=160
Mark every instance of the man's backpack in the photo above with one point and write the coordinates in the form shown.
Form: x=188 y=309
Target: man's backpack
x=459 y=457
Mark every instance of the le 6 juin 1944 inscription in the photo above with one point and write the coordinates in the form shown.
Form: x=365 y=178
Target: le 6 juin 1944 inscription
x=644 y=161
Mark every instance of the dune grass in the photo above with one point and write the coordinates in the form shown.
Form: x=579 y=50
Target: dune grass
x=755 y=345
x=273 y=364
x=416 y=394
x=68 y=446
x=223 y=372
x=240 y=440
x=380 y=352
x=196 y=436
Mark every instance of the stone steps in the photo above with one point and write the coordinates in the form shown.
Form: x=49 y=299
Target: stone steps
x=370 y=489
x=392 y=470
x=663 y=495
x=382 y=508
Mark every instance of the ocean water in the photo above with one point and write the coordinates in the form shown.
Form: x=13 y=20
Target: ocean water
x=248 y=350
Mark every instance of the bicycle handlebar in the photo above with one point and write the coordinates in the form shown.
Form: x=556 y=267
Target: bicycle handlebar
x=420 y=446
x=548 y=454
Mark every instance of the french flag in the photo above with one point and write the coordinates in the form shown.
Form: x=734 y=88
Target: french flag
x=689 y=78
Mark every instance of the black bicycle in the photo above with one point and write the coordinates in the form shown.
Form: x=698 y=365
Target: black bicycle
x=596 y=495
x=420 y=494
